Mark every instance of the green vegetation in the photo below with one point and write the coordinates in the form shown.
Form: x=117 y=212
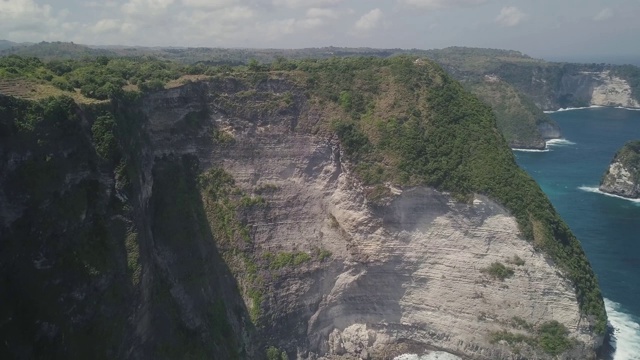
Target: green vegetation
x=551 y=337
x=322 y=254
x=266 y=189
x=517 y=261
x=286 y=259
x=273 y=353
x=520 y=323
x=498 y=271
x=517 y=117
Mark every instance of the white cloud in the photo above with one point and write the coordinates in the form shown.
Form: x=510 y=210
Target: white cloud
x=440 y=4
x=320 y=13
x=510 y=16
x=106 y=25
x=604 y=14
x=210 y=4
x=306 y=3
x=146 y=7
x=369 y=21
x=24 y=20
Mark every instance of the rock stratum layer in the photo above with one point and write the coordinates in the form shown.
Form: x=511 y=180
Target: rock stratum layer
x=268 y=210
x=622 y=178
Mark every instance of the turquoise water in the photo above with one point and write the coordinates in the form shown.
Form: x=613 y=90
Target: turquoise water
x=608 y=227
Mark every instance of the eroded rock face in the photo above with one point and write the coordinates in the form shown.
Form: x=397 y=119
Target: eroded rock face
x=621 y=177
x=551 y=91
x=612 y=91
x=408 y=268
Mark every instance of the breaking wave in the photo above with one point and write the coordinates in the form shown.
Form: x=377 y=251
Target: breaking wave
x=625 y=338
x=559 y=142
x=530 y=150
x=438 y=355
x=595 y=190
x=573 y=108
x=626 y=108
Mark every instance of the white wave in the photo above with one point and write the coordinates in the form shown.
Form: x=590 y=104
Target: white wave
x=595 y=190
x=626 y=332
x=438 y=355
x=626 y=108
x=531 y=150
x=571 y=109
x=559 y=142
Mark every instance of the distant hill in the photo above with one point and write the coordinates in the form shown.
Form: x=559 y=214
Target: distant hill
x=54 y=50
x=6 y=44
x=516 y=80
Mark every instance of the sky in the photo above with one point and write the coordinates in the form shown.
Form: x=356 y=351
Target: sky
x=542 y=28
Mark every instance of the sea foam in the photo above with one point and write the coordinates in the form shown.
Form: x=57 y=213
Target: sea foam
x=592 y=189
x=626 y=332
x=531 y=150
x=573 y=108
x=438 y=355
x=559 y=142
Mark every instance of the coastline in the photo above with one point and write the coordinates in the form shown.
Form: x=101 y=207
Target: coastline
x=596 y=190
x=589 y=107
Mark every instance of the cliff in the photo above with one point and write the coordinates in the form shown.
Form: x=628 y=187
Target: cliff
x=549 y=85
x=355 y=207
x=623 y=175
x=523 y=125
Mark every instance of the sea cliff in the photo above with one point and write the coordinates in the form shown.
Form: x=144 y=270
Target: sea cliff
x=622 y=178
x=343 y=208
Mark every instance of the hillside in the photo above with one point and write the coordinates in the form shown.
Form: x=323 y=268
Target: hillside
x=344 y=207
x=522 y=123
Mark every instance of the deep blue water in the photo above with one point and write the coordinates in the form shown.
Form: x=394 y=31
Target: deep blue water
x=607 y=227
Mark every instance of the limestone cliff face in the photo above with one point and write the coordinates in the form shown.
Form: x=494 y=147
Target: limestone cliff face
x=552 y=89
x=408 y=272
x=622 y=176
x=612 y=91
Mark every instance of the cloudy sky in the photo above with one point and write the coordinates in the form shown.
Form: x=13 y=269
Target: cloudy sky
x=544 y=28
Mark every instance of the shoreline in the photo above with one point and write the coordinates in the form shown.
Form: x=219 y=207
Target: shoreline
x=596 y=190
x=589 y=107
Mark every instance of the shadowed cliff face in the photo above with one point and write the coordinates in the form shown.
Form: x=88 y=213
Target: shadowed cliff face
x=90 y=268
x=236 y=220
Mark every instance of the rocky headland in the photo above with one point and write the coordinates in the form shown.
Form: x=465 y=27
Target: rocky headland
x=622 y=178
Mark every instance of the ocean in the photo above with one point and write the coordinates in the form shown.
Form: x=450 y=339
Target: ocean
x=608 y=227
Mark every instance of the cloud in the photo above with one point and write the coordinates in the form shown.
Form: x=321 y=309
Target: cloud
x=25 y=20
x=604 y=14
x=146 y=8
x=510 y=16
x=210 y=4
x=322 y=13
x=440 y=4
x=306 y=3
x=369 y=21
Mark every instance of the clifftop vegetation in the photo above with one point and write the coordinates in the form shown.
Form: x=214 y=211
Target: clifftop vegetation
x=629 y=157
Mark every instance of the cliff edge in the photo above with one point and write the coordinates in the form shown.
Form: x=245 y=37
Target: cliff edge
x=623 y=175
